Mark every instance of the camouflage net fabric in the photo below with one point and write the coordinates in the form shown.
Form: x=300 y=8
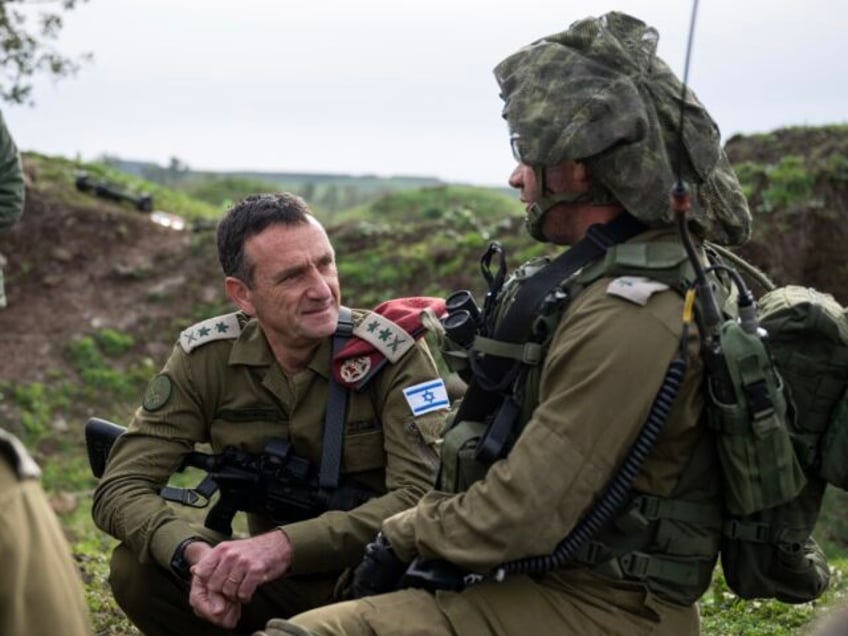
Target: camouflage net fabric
x=597 y=92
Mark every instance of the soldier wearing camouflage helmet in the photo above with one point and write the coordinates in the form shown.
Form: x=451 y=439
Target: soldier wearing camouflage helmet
x=593 y=115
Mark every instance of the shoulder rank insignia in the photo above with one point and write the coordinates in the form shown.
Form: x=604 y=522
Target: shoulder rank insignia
x=385 y=335
x=217 y=328
x=636 y=289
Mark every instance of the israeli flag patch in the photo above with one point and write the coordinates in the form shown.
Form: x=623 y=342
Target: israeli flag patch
x=427 y=396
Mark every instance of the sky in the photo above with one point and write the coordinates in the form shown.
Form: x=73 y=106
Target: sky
x=391 y=87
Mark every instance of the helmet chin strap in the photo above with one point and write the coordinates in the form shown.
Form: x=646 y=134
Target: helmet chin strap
x=546 y=200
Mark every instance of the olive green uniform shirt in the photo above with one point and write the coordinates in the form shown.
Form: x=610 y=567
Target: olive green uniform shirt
x=11 y=190
x=230 y=391
x=40 y=590
x=603 y=369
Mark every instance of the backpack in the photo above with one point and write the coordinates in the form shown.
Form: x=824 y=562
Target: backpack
x=770 y=553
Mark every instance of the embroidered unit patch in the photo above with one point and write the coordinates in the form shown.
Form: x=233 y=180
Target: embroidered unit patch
x=354 y=369
x=427 y=396
x=158 y=393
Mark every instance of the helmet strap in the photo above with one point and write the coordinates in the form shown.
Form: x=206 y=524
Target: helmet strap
x=547 y=200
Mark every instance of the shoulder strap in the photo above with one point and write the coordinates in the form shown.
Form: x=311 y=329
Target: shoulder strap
x=498 y=372
x=22 y=463
x=334 y=417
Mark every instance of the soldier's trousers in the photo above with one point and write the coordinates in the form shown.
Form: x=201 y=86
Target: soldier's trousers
x=574 y=604
x=156 y=601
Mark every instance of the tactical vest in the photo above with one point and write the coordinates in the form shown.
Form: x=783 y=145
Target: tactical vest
x=670 y=544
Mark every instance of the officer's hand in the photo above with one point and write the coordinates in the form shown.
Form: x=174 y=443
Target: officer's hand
x=234 y=569
x=215 y=608
x=379 y=571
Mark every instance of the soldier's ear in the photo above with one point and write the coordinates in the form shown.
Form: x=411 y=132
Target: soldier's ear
x=568 y=176
x=239 y=293
x=581 y=175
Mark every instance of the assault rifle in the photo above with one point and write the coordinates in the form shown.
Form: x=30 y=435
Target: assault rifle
x=104 y=190
x=276 y=483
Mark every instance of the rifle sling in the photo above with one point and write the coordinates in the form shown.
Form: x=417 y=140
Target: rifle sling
x=479 y=402
x=334 y=417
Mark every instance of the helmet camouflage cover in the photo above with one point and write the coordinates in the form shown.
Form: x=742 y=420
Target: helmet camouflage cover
x=598 y=93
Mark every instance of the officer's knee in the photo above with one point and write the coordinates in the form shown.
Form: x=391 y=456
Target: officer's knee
x=279 y=627
x=120 y=577
x=132 y=583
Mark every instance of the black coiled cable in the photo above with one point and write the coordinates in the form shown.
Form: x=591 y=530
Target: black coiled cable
x=619 y=490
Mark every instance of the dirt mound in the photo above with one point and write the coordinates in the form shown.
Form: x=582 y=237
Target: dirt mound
x=75 y=270
x=798 y=180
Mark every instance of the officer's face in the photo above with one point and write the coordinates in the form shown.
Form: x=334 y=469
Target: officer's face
x=295 y=292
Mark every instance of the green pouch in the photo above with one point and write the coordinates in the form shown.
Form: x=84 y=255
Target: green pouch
x=459 y=468
x=771 y=554
x=793 y=574
x=808 y=339
x=755 y=448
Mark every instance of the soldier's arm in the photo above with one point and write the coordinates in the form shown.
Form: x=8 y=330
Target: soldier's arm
x=11 y=179
x=163 y=431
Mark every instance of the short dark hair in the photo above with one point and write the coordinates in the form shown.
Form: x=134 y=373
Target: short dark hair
x=249 y=217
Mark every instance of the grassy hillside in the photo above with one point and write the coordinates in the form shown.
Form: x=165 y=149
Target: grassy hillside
x=426 y=242
x=98 y=295
x=326 y=192
x=796 y=180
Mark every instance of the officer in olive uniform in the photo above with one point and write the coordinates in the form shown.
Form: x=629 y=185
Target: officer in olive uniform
x=592 y=114
x=40 y=590
x=260 y=373
x=11 y=191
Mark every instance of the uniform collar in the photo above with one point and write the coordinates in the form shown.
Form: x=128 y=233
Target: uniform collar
x=251 y=349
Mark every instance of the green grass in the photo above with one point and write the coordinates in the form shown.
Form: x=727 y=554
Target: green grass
x=56 y=176
x=725 y=614
x=444 y=202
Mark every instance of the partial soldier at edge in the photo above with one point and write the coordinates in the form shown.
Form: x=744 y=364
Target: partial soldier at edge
x=41 y=591
x=12 y=191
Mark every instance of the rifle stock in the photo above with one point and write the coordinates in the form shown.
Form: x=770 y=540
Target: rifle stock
x=276 y=483
x=100 y=436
